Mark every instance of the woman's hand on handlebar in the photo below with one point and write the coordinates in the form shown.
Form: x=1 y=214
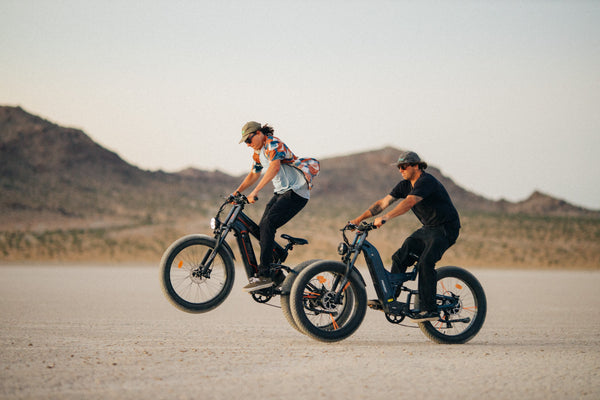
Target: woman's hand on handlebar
x=231 y=198
x=237 y=198
x=252 y=197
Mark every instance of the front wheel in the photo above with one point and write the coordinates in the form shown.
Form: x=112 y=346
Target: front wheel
x=462 y=304
x=184 y=280
x=320 y=309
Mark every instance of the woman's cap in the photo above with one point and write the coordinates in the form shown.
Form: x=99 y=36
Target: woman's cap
x=248 y=128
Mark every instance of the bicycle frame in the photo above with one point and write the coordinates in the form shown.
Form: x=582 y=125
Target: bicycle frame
x=387 y=285
x=244 y=228
x=385 y=282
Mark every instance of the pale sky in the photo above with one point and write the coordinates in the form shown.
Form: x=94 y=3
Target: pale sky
x=502 y=96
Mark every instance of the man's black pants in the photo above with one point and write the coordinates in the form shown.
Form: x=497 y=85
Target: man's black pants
x=429 y=244
x=280 y=209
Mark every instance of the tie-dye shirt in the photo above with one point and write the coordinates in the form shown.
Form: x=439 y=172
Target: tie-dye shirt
x=292 y=168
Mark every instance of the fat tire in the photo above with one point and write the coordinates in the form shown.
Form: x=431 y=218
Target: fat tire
x=480 y=303
x=286 y=287
x=352 y=315
x=168 y=262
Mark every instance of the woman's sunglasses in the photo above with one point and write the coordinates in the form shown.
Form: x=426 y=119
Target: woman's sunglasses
x=250 y=137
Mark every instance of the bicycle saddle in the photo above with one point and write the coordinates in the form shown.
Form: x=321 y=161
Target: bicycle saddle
x=294 y=240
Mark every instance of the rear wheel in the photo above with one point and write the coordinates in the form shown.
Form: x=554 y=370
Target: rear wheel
x=286 y=287
x=182 y=277
x=462 y=304
x=318 y=310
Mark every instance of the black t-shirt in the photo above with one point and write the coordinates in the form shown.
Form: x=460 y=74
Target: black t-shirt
x=436 y=208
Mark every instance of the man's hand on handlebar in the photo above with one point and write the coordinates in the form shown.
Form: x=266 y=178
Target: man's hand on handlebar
x=355 y=223
x=379 y=222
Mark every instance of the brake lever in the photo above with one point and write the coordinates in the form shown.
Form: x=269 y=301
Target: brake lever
x=349 y=226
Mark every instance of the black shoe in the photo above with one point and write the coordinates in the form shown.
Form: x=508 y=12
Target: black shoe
x=422 y=316
x=262 y=282
x=375 y=304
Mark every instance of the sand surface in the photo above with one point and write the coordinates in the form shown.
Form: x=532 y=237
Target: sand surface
x=108 y=333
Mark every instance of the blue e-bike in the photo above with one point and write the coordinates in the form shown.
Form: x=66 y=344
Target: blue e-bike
x=328 y=299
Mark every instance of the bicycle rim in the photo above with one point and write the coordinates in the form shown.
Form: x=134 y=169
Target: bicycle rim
x=186 y=281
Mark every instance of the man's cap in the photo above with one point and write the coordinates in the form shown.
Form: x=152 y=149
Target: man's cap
x=410 y=157
x=248 y=128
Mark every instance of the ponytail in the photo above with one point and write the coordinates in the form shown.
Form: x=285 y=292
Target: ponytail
x=267 y=130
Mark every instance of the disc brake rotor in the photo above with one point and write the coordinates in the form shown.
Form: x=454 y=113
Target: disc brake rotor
x=196 y=277
x=457 y=306
x=328 y=301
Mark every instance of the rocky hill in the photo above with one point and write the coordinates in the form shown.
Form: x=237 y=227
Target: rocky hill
x=50 y=174
x=364 y=176
x=53 y=175
x=65 y=198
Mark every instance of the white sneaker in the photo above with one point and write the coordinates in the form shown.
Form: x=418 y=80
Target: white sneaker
x=255 y=284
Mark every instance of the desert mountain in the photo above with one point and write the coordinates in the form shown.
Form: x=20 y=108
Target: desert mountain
x=364 y=176
x=49 y=172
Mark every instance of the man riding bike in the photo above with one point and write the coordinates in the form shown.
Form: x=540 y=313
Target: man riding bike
x=430 y=202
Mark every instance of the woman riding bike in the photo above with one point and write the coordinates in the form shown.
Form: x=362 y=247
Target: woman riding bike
x=292 y=181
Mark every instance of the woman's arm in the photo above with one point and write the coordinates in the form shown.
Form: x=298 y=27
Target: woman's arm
x=250 y=180
x=271 y=172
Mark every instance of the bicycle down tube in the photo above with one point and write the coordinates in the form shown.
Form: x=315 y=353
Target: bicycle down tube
x=385 y=283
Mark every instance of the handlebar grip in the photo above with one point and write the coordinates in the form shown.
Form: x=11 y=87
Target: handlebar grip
x=237 y=198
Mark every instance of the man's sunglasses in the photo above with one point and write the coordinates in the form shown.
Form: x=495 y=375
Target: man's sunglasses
x=249 y=138
x=404 y=166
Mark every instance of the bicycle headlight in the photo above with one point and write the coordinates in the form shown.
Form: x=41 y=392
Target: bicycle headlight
x=342 y=248
x=214 y=223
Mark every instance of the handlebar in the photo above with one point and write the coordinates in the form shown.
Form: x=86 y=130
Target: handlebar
x=238 y=198
x=362 y=227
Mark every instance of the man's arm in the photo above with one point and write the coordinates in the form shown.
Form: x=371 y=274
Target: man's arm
x=402 y=208
x=375 y=209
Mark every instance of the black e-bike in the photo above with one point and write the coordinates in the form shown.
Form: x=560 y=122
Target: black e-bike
x=197 y=271
x=328 y=299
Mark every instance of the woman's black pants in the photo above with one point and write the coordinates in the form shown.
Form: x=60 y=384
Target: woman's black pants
x=280 y=209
